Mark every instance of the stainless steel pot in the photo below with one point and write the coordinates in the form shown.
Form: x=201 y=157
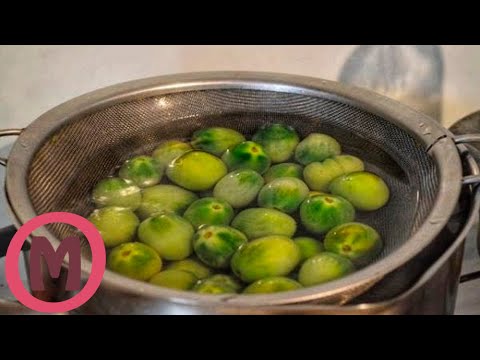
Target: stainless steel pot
x=418 y=157
x=433 y=291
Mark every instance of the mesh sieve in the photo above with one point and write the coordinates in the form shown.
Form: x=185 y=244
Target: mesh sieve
x=80 y=154
x=78 y=151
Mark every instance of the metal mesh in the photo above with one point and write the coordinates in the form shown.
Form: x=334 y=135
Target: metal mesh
x=65 y=169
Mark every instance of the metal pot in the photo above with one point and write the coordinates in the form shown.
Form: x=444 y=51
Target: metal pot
x=412 y=149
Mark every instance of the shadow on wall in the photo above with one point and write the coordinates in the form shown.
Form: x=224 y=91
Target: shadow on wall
x=411 y=74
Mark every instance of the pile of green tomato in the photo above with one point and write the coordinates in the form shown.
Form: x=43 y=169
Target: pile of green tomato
x=222 y=214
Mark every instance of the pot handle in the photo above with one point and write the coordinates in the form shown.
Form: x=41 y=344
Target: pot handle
x=8 y=132
x=6 y=235
x=8 y=307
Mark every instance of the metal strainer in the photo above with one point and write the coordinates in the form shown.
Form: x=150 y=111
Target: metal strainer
x=58 y=159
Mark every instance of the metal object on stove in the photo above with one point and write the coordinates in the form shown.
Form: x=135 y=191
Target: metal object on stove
x=470 y=124
x=58 y=158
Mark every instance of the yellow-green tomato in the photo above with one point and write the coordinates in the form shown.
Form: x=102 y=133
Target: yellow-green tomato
x=209 y=211
x=239 y=187
x=349 y=163
x=265 y=257
x=192 y=266
x=161 y=198
x=324 y=267
x=196 y=170
x=284 y=194
x=308 y=247
x=169 y=150
x=318 y=175
x=247 y=155
x=142 y=170
x=217 y=284
x=259 y=222
x=216 y=140
x=366 y=191
x=116 y=225
x=174 y=279
x=215 y=245
x=278 y=140
x=322 y=212
x=169 y=234
x=358 y=242
x=135 y=260
x=283 y=170
x=316 y=147
x=117 y=192
x=272 y=285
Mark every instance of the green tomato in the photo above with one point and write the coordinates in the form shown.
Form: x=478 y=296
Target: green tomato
x=135 y=260
x=283 y=170
x=116 y=225
x=117 y=192
x=196 y=170
x=216 y=140
x=358 y=242
x=161 y=198
x=174 y=279
x=272 y=285
x=265 y=257
x=308 y=247
x=192 y=266
x=169 y=234
x=324 y=267
x=209 y=211
x=217 y=284
x=349 y=163
x=215 y=245
x=318 y=175
x=169 y=150
x=239 y=188
x=259 y=222
x=278 y=140
x=247 y=155
x=322 y=212
x=284 y=194
x=316 y=147
x=366 y=191
x=142 y=170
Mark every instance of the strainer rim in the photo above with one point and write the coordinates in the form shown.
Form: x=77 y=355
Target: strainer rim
x=437 y=142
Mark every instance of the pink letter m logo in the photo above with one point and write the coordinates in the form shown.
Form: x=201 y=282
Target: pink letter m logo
x=42 y=247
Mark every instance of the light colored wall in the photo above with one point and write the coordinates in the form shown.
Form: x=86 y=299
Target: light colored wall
x=35 y=78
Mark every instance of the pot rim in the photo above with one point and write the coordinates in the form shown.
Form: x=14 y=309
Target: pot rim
x=437 y=141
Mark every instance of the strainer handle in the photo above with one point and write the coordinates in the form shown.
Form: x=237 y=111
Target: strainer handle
x=470 y=179
x=8 y=132
x=468 y=139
